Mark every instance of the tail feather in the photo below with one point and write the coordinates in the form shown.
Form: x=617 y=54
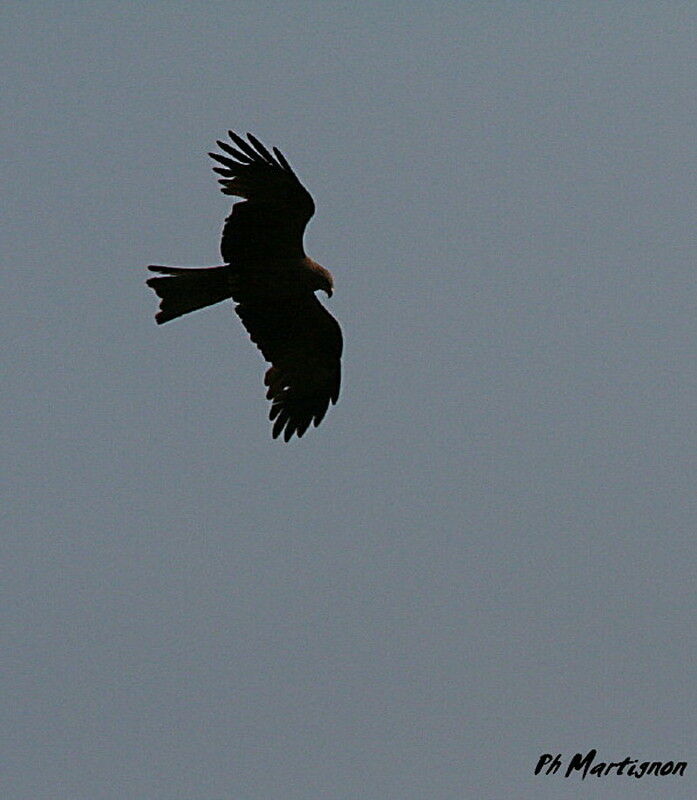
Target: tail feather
x=182 y=290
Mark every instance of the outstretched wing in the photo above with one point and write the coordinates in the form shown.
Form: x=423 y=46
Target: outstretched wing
x=303 y=343
x=271 y=221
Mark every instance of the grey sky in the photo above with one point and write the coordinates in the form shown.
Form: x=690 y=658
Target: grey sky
x=486 y=551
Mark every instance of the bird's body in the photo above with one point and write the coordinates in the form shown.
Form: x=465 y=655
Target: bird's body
x=271 y=281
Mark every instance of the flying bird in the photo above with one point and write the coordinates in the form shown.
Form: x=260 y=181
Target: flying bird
x=271 y=281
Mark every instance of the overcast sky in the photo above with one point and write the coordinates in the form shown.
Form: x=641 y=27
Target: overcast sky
x=486 y=551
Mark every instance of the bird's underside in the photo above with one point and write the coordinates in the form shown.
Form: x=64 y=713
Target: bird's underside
x=272 y=284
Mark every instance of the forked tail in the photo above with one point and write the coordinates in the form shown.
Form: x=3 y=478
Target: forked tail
x=183 y=290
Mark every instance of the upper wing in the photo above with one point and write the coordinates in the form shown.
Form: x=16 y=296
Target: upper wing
x=303 y=343
x=271 y=221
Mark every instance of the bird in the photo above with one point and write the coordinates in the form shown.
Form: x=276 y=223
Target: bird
x=271 y=281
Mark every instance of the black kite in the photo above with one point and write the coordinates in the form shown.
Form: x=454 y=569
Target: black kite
x=272 y=282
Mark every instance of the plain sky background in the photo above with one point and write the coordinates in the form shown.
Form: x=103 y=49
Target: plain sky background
x=486 y=551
